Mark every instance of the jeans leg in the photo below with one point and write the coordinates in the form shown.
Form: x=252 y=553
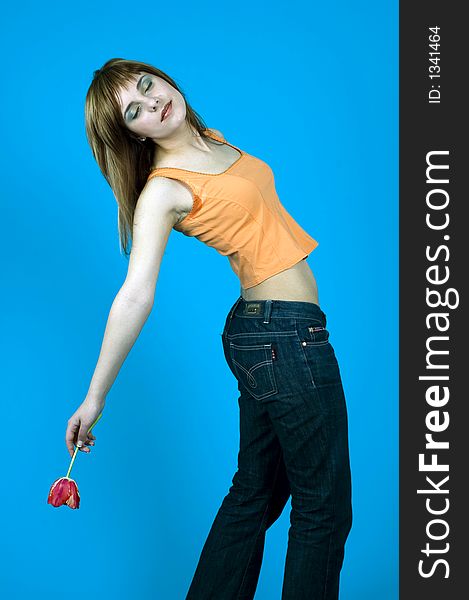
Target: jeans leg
x=310 y=418
x=280 y=496
x=230 y=561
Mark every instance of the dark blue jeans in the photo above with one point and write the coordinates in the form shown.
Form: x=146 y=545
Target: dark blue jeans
x=293 y=441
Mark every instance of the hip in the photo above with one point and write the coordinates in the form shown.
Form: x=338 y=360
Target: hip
x=279 y=347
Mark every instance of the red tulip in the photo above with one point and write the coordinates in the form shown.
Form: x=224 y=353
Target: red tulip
x=64 y=491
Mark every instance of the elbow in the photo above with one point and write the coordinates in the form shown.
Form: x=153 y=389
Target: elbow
x=141 y=297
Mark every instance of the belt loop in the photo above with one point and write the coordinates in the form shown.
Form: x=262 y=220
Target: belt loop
x=267 y=311
x=232 y=311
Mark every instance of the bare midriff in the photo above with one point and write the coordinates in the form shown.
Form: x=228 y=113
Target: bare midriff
x=296 y=283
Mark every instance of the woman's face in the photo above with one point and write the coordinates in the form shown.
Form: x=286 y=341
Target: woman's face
x=142 y=102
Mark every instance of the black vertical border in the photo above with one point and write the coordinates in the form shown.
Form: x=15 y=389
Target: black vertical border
x=423 y=128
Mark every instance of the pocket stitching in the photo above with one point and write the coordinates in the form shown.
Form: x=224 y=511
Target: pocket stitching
x=251 y=371
x=268 y=363
x=309 y=342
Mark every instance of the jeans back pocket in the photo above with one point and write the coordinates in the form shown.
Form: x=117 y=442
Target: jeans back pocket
x=252 y=365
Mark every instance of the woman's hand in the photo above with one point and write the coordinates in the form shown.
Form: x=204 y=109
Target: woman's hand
x=79 y=424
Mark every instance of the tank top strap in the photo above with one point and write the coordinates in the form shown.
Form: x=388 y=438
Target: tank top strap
x=220 y=138
x=214 y=135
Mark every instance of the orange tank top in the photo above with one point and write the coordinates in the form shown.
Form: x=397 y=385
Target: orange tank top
x=238 y=213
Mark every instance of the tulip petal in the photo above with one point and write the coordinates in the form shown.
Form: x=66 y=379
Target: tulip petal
x=64 y=491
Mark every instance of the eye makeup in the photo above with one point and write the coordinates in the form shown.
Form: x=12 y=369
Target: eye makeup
x=130 y=116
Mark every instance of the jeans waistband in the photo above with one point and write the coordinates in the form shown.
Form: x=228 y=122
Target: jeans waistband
x=276 y=309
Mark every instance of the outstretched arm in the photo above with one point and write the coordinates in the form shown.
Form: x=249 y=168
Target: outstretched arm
x=155 y=214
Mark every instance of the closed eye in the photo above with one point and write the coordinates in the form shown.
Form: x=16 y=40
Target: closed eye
x=137 y=112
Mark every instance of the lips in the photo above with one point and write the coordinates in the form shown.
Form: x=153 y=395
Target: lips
x=165 y=109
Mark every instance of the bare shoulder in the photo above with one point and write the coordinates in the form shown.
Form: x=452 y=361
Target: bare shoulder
x=166 y=195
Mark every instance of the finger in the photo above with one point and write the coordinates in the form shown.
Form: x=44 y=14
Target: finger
x=82 y=439
x=83 y=447
x=70 y=435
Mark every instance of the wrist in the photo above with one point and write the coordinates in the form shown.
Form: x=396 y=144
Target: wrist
x=95 y=398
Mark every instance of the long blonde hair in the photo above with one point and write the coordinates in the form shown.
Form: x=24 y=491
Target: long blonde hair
x=123 y=158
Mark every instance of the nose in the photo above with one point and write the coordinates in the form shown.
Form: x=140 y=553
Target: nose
x=153 y=104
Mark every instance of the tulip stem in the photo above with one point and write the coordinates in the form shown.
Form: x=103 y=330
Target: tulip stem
x=72 y=461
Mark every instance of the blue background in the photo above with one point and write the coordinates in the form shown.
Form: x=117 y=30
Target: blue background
x=167 y=443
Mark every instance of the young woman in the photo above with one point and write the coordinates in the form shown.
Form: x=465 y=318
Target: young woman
x=168 y=171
